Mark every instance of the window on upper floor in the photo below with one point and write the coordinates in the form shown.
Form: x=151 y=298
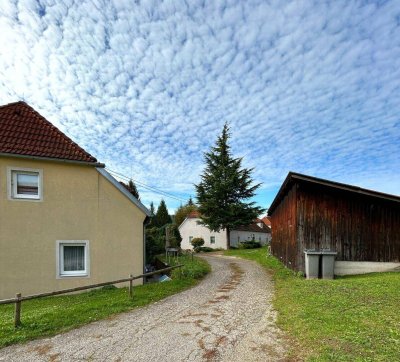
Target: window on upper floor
x=25 y=184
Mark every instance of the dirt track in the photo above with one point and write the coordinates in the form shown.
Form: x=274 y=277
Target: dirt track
x=227 y=317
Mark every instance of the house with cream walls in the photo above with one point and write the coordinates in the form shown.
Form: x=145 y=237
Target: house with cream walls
x=64 y=220
x=190 y=228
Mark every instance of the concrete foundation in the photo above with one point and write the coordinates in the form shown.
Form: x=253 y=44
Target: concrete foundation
x=364 y=267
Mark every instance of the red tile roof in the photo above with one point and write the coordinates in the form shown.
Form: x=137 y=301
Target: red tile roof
x=193 y=215
x=23 y=131
x=267 y=221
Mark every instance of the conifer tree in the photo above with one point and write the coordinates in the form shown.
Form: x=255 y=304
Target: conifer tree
x=152 y=209
x=225 y=188
x=162 y=217
x=133 y=189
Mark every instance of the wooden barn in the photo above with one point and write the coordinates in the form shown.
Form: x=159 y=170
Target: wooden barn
x=362 y=226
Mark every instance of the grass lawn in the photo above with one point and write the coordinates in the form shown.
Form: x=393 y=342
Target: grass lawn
x=353 y=318
x=52 y=315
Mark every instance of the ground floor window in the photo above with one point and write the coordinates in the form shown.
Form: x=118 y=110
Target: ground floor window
x=72 y=258
x=190 y=239
x=212 y=239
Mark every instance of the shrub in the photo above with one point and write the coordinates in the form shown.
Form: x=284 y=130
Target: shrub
x=206 y=249
x=197 y=244
x=249 y=244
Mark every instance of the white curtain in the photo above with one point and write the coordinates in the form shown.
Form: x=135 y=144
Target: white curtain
x=74 y=257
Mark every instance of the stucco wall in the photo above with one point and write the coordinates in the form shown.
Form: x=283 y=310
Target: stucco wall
x=78 y=204
x=190 y=228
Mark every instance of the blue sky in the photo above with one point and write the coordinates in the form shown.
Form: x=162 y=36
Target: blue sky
x=146 y=86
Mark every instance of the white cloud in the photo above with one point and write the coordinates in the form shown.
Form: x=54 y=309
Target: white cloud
x=311 y=87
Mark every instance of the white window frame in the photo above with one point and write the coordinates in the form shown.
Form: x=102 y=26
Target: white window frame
x=211 y=238
x=60 y=259
x=12 y=172
x=190 y=240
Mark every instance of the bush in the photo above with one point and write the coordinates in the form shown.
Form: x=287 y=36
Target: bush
x=197 y=244
x=249 y=244
x=206 y=249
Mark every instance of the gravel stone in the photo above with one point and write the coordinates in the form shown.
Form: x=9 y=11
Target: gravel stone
x=227 y=317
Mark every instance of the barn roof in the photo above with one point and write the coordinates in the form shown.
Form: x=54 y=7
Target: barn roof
x=25 y=133
x=293 y=177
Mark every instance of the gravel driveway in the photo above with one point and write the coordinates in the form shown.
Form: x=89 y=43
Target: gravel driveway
x=227 y=317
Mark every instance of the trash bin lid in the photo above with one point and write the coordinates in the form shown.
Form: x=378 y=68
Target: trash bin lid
x=312 y=252
x=328 y=252
x=319 y=252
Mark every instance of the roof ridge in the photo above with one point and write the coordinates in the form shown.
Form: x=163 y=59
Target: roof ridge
x=13 y=104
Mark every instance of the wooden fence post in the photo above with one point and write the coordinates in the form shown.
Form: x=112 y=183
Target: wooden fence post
x=130 y=286
x=17 y=315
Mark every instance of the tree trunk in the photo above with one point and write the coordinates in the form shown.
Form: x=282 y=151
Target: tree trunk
x=228 y=237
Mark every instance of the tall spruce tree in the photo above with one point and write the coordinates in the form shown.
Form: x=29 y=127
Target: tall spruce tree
x=224 y=188
x=152 y=209
x=162 y=217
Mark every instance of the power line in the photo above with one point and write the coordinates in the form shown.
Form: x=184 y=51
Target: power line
x=142 y=184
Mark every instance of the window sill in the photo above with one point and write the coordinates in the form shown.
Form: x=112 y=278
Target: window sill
x=16 y=198
x=63 y=276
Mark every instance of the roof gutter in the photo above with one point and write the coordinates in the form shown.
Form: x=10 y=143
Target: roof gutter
x=50 y=159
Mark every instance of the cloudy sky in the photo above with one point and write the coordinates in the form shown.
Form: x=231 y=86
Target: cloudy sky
x=146 y=86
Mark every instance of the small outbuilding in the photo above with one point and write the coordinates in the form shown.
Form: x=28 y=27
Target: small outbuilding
x=362 y=226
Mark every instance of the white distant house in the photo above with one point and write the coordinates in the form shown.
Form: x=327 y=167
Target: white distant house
x=190 y=229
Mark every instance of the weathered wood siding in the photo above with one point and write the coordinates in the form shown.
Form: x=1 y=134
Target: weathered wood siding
x=283 y=244
x=358 y=227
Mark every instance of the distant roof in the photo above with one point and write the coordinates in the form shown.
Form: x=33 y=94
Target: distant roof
x=24 y=132
x=266 y=220
x=296 y=177
x=193 y=215
x=253 y=228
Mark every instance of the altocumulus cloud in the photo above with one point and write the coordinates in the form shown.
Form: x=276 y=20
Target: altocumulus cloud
x=146 y=86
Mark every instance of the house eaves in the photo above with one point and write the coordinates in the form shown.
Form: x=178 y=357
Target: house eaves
x=123 y=190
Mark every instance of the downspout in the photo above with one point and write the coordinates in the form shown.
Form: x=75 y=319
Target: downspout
x=145 y=222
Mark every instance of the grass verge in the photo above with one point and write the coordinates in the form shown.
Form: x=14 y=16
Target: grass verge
x=52 y=315
x=353 y=318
